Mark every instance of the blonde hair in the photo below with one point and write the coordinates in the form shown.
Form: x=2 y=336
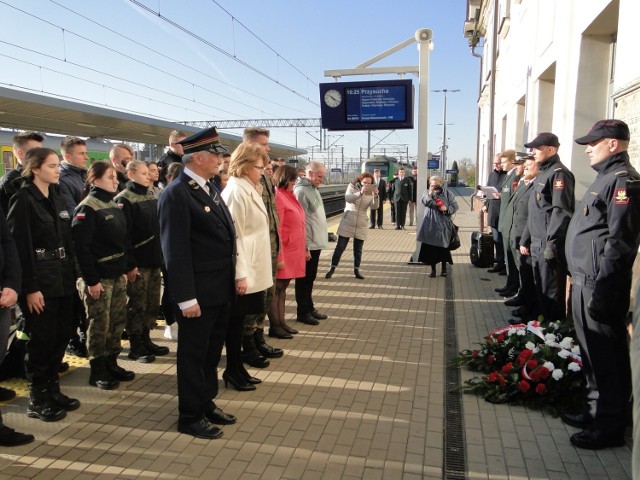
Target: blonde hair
x=244 y=157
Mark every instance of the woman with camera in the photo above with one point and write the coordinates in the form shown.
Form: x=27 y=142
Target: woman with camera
x=361 y=195
x=437 y=227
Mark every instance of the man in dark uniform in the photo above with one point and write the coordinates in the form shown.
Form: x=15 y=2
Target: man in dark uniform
x=402 y=194
x=199 y=246
x=507 y=188
x=22 y=143
x=550 y=208
x=492 y=207
x=518 y=211
x=173 y=155
x=602 y=243
x=390 y=194
x=376 y=213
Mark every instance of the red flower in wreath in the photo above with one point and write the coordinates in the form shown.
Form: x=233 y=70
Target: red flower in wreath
x=476 y=354
x=507 y=368
x=541 y=389
x=524 y=386
x=493 y=376
x=490 y=359
x=531 y=364
x=524 y=357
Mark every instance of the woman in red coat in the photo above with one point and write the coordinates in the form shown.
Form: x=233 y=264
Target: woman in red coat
x=292 y=258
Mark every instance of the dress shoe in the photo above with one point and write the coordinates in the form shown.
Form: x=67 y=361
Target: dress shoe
x=519 y=312
x=371 y=227
x=217 y=416
x=247 y=376
x=357 y=274
x=380 y=227
x=6 y=394
x=592 y=439
x=497 y=268
x=10 y=438
x=577 y=420
x=317 y=315
x=239 y=383
x=289 y=329
x=308 y=319
x=508 y=293
x=502 y=289
x=514 y=302
x=515 y=321
x=279 y=333
x=398 y=228
x=432 y=274
x=329 y=274
x=201 y=429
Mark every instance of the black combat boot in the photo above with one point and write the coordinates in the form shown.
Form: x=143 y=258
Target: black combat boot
x=262 y=346
x=100 y=376
x=42 y=406
x=157 y=350
x=60 y=399
x=10 y=438
x=251 y=355
x=117 y=371
x=138 y=351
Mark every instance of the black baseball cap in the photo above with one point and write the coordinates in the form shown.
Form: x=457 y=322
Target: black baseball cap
x=545 y=138
x=610 y=128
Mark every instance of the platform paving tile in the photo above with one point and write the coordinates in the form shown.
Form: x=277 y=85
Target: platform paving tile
x=359 y=396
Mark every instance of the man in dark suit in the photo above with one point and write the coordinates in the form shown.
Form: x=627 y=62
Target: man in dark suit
x=376 y=213
x=492 y=207
x=402 y=194
x=199 y=246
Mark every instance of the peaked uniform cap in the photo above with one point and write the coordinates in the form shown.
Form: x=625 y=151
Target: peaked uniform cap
x=207 y=139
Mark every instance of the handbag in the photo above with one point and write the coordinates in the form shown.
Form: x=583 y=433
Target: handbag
x=454 y=242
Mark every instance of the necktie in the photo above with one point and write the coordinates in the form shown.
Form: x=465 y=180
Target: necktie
x=213 y=193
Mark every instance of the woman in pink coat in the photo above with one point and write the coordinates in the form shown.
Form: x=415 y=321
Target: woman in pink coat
x=292 y=258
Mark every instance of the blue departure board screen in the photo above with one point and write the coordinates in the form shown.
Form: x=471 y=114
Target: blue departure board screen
x=376 y=104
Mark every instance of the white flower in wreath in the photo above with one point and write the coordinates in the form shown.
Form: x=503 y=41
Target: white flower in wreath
x=529 y=345
x=521 y=332
x=576 y=350
x=549 y=366
x=574 y=367
x=549 y=337
x=512 y=331
x=557 y=374
x=566 y=343
x=564 y=353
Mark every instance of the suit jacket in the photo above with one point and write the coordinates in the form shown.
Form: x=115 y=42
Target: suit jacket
x=493 y=205
x=199 y=243
x=382 y=189
x=509 y=186
x=403 y=189
x=517 y=213
x=252 y=229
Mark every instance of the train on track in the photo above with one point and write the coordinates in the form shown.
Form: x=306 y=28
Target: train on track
x=387 y=166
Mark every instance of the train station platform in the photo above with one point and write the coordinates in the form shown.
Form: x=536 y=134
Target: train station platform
x=367 y=394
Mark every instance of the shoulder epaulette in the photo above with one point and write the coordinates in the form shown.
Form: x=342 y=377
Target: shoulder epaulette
x=559 y=169
x=621 y=173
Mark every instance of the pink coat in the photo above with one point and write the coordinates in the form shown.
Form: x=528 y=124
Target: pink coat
x=292 y=234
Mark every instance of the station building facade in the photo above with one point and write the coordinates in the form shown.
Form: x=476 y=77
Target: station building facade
x=554 y=65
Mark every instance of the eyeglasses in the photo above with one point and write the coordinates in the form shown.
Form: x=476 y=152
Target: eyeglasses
x=259 y=168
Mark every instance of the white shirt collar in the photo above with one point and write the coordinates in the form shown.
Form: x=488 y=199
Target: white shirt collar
x=199 y=180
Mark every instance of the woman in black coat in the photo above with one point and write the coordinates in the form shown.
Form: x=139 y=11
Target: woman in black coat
x=41 y=227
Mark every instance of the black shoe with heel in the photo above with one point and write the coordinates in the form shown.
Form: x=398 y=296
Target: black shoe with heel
x=330 y=273
x=237 y=382
x=357 y=274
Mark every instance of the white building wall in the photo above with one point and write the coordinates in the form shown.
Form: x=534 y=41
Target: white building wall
x=558 y=55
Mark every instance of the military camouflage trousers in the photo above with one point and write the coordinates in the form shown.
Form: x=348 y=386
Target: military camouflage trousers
x=106 y=316
x=251 y=322
x=144 y=299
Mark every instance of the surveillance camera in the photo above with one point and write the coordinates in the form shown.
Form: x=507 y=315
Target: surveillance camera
x=424 y=35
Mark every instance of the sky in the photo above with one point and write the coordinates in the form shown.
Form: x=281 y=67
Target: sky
x=184 y=60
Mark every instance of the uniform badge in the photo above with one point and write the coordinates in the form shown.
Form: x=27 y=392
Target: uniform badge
x=620 y=196
x=558 y=184
x=207 y=208
x=514 y=186
x=193 y=184
x=538 y=196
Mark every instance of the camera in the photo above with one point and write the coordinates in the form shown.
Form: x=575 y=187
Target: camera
x=633 y=188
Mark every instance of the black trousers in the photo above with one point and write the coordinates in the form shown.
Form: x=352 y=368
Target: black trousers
x=49 y=333
x=199 y=349
x=340 y=248
x=304 y=285
x=499 y=246
x=527 y=285
x=551 y=282
x=401 y=212
x=605 y=361
x=393 y=211
x=513 y=278
x=376 y=215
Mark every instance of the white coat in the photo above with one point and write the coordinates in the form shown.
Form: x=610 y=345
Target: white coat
x=354 y=222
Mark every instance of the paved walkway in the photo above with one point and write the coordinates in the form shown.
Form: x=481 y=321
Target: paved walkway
x=360 y=396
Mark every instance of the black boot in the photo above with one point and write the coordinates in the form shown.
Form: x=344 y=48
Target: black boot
x=117 y=371
x=42 y=406
x=443 y=273
x=138 y=350
x=157 y=350
x=266 y=350
x=60 y=399
x=251 y=355
x=330 y=273
x=100 y=376
x=10 y=438
x=356 y=272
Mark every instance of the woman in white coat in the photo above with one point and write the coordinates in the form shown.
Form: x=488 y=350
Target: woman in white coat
x=361 y=195
x=243 y=196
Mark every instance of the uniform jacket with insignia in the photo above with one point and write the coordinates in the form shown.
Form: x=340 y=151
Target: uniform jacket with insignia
x=604 y=233
x=550 y=206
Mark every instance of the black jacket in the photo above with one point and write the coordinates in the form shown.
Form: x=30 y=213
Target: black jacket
x=164 y=162
x=41 y=226
x=10 y=271
x=101 y=239
x=604 y=234
x=8 y=187
x=72 y=183
x=141 y=210
x=493 y=204
x=550 y=206
x=403 y=189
